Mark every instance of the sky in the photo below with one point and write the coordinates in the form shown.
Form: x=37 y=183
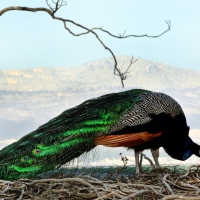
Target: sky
x=31 y=40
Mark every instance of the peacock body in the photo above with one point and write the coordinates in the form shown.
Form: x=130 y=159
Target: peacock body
x=137 y=119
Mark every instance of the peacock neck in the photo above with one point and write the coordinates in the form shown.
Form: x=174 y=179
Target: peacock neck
x=182 y=149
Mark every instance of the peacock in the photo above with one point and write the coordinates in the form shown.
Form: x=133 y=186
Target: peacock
x=136 y=119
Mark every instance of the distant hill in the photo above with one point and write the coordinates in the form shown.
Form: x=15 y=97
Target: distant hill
x=30 y=97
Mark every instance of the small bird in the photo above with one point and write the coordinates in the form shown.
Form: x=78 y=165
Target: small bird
x=136 y=119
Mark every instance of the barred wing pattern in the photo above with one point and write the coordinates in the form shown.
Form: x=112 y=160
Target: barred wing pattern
x=149 y=103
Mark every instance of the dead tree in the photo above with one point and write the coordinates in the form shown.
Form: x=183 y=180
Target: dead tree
x=55 y=5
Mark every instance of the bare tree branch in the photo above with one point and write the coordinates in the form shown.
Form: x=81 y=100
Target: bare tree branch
x=58 y=4
x=144 y=35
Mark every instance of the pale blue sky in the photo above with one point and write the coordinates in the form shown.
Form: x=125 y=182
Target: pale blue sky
x=30 y=40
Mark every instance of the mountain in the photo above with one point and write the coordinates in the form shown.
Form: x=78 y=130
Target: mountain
x=31 y=97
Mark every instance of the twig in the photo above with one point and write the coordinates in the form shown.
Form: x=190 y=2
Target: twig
x=137 y=193
x=150 y=161
x=144 y=35
x=139 y=186
x=188 y=170
x=190 y=186
x=79 y=180
x=157 y=169
x=22 y=194
x=105 y=196
x=6 y=189
x=183 y=188
x=180 y=197
x=166 y=184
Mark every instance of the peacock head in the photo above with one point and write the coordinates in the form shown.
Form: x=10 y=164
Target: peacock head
x=190 y=148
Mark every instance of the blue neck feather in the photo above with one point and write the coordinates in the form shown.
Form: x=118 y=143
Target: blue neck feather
x=180 y=150
x=186 y=154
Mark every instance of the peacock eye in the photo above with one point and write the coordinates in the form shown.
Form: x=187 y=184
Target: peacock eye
x=24 y=159
x=37 y=151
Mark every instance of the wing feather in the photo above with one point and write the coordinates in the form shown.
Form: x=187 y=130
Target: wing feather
x=125 y=140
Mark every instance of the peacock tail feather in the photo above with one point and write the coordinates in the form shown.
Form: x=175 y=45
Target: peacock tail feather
x=133 y=119
x=67 y=136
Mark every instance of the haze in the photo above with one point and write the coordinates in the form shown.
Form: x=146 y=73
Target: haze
x=35 y=40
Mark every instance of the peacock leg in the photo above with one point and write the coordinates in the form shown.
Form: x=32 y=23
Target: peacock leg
x=137 y=169
x=155 y=154
x=140 y=162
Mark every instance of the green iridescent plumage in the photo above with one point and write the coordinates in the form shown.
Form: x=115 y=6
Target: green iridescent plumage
x=66 y=136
